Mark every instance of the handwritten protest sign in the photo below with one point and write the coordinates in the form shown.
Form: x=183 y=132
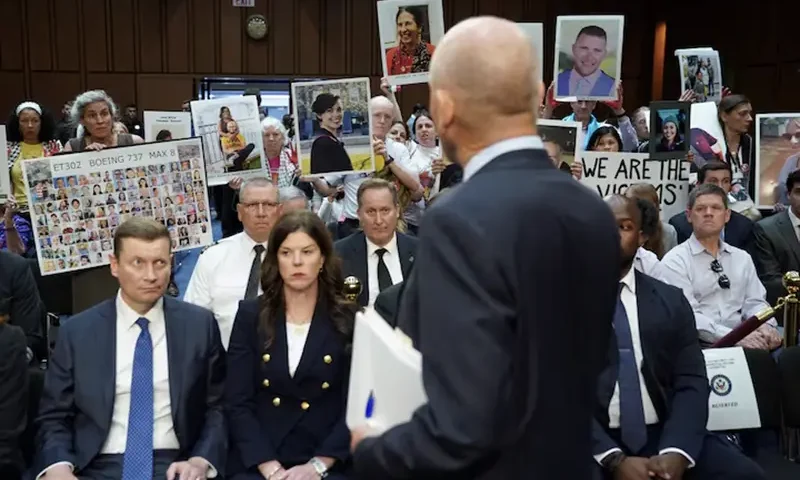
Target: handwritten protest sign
x=612 y=173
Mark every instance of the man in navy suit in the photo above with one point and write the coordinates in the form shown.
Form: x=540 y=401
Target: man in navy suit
x=134 y=387
x=652 y=407
x=379 y=255
x=739 y=229
x=509 y=357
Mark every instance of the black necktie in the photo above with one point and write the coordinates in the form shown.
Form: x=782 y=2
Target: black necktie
x=384 y=279
x=255 y=274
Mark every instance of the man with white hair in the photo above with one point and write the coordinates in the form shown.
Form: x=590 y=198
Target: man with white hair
x=397 y=160
x=292 y=198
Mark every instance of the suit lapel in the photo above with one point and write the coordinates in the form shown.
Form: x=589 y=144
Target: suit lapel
x=105 y=332
x=176 y=336
x=784 y=225
x=317 y=335
x=279 y=348
x=406 y=256
x=360 y=266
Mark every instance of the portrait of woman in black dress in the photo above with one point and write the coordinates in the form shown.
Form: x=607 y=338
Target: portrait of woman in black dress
x=327 y=152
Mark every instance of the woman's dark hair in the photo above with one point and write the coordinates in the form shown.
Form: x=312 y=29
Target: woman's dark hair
x=420 y=114
x=416 y=12
x=331 y=283
x=163 y=135
x=600 y=133
x=729 y=103
x=222 y=110
x=647 y=200
x=323 y=102
x=405 y=127
x=47 y=128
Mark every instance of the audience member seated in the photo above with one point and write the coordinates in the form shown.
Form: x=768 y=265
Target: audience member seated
x=16 y=235
x=738 y=230
x=379 y=256
x=13 y=394
x=220 y=279
x=652 y=412
x=718 y=279
x=134 y=386
x=289 y=362
x=18 y=287
x=292 y=198
x=776 y=249
x=665 y=238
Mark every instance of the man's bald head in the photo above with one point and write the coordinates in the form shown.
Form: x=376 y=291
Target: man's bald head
x=489 y=64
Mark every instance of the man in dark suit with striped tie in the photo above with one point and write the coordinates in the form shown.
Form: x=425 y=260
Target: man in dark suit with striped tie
x=652 y=407
x=133 y=390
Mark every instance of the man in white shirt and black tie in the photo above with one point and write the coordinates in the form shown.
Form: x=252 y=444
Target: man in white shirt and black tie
x=378 y=256
x=652 y=407
x=134 y=387
x=230 y=270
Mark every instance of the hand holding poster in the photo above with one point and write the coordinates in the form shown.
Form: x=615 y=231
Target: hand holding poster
x=161 y=126
x=612 y=173
x=78 y=200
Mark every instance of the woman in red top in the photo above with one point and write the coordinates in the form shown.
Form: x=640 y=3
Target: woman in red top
x=413 y=54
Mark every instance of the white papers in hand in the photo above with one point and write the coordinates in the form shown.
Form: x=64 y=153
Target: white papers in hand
x=386 y=366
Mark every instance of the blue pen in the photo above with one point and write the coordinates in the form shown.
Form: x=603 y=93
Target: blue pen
x=370 y=405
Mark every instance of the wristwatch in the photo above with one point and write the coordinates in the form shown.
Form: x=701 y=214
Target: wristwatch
x=612 y=461
x=319 y=466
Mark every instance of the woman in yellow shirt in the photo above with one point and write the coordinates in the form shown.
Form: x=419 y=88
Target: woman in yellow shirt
x=31 y=134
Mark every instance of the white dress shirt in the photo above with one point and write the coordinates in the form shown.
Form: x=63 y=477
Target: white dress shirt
x=392 y=260
x=220 y=278
x=482 y=158
x=296 y=336
x=628 y=297
x=717 y=310
x=647 y=262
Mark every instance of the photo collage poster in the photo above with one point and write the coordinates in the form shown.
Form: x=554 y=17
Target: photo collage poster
x=409 y=31
x=162 y=126
x=701 y=72
x=78 y=200
x=230 y=128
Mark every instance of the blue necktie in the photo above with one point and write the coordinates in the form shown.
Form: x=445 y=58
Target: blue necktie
x=138 y=459
x=632 y=423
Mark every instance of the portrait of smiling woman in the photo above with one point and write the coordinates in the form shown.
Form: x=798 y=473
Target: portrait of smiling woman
x=412 y=53
x=327 y=152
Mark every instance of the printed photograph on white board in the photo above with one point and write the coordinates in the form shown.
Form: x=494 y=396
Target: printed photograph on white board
x=163 y=126
x=588 y=56
x=231 y=132
x=670 y=132
x=777 y=156
x=409 y=31
x=563 y=141
x=701 y=72
x=536 y=32
x=332 y=126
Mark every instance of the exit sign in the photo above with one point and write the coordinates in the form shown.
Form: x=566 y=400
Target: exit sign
x=244 y=3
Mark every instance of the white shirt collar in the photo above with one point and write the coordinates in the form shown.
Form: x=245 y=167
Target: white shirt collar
x=249 y=243
x=391 y=247
x=629 y=280
x=695 y=247
x=126 y=316
x=482 y=158
x=793 y=218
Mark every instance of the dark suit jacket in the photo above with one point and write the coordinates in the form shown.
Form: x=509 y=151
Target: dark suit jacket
x=264 y=404
x=738 y=230
x=511 y=359
x=673 y=368
x=775 y=251
x=13 y=395
x=388 y=302
x=353 y=251
x=78 y=398
x=27 y=310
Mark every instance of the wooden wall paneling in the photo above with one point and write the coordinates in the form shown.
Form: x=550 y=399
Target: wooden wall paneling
x=334 y=40
x=459 y=10
x=282 y=35
x=38 y=27
x=376 y=52
x=95 y=43
x=163 y=92
x=53 y=89
x=12 y=86
x=150 y=36
x=514 y=11
x=177 y=36
x=762 y=47
x=785 y=98
x=759 y=84
x=785 y=31
x=308 y=54
x=204 y=39
x=490 y=7
x=364 y=39
x=120 y=86
x=65 y=30
x=230 y=28
x=123 y=37
x=11 y=53
x=257 y=51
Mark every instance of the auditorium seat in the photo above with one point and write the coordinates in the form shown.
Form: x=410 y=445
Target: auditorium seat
x=789 y=367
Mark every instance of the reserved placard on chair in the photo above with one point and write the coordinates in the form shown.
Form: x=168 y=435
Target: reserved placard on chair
x=732 y=402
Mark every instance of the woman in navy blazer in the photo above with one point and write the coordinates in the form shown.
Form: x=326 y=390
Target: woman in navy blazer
x=289 y=362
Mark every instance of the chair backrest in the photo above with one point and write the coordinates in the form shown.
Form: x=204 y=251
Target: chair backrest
x=35 y=387
x=789 y=368
x=767 y=386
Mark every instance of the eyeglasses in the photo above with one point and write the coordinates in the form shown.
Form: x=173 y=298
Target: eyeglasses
x=723 y=281
x=253 y=207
